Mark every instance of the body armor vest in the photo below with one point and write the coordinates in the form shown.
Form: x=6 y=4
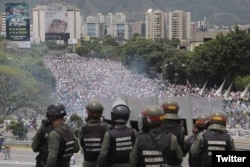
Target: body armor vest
x=91 y=141
x=41 y=158
x=176 y=131
x=193 y=161
x=213 y=141
x=66 y=146
x=121 y=144
x=153 y=153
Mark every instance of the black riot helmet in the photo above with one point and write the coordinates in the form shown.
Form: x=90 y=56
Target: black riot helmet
x=56 y=110
x=120 y=111
x=120 y=114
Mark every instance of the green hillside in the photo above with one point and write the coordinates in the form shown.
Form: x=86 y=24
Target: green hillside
x=227 y=12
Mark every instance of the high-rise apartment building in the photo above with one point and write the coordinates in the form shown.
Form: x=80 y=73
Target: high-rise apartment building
x=94 y=27
x=179 y=25
x=114 y=25
x=138 y=28
x=155 y=24
x=202 y=26
x=57 y=22
x=118 y=27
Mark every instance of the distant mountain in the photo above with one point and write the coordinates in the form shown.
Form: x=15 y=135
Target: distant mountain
x=226 y=12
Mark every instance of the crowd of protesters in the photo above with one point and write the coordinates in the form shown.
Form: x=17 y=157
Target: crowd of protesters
x=81 y=79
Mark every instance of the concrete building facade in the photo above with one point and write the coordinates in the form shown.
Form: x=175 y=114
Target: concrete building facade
x=179 y=25
x=56 y=22
x=198 y=38
x=101 y=25
x=155 y=24
x=94 y=27
x=138 y=28
x=118 y=27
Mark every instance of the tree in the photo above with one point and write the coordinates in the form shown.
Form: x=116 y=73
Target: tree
x=26 y=84
x=83 y=50
x=18 y=129
x=242 y=82
x=77 y=120
x=175 y=64
x=227 y=56
x=18 y=90
x=110 y=52
x=109 y=40
x=52 y=45
x=142 y=54
x=170 y=43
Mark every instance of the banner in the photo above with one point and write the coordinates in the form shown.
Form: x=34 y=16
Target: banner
x=57 y=26
x=17 y=22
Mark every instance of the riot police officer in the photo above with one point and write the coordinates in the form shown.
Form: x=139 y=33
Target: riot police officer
x=200 y=126
x=39 y=143
x=214 y=138
x=92 y=133
x=154 y=147
x=118 y=141
x=172 y=123
x=62 y=142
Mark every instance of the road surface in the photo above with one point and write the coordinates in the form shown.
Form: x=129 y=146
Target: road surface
x=24 y=157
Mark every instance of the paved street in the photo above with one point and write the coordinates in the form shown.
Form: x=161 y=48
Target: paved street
x=26 y=158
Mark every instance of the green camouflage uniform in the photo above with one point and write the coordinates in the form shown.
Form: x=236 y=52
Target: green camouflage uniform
x=180 y=136
x=174 y=147
x=40 y=145
x=54 y=140
x=105 y=150
x=91 y=123
x=197 y=146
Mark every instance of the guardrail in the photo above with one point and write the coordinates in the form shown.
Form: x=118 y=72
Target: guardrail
x=240 y=144
x=14 y=141
x=21 y=144
x=16 y=138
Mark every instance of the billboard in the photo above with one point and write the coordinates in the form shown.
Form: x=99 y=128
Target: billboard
x=57 y=26
x=18 y=24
